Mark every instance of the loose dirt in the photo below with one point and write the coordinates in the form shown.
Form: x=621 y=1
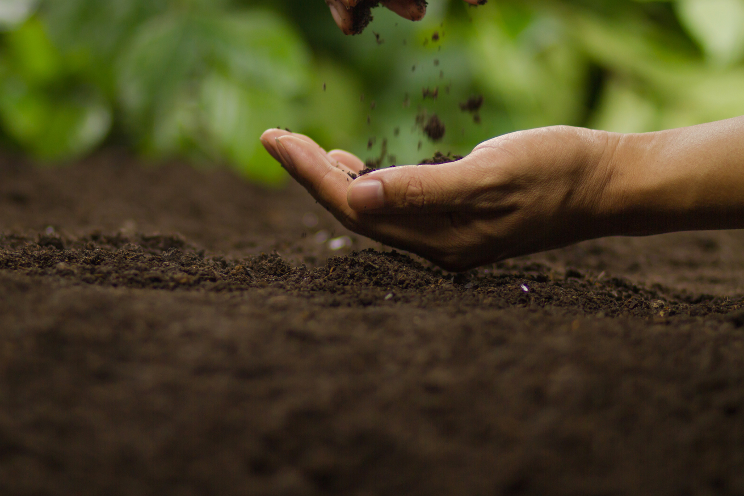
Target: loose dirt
x=173 y=331
x=432 y=125
x=472 y=104
x=440 y=158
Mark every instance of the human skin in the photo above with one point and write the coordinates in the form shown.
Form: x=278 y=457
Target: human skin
x=532 y=191
x=408 y=9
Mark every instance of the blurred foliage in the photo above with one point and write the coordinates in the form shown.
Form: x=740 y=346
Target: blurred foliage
x=203 y=78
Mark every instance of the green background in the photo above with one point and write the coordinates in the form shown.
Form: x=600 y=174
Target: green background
x=202 y=79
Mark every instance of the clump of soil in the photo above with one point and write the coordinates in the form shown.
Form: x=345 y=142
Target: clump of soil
x=440 y=158
x=434 y=128
x=362 y=15
x=472 y=104
x=429 y=93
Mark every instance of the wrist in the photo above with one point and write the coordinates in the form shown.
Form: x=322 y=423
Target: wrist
x=643 y=195
x=677 y=180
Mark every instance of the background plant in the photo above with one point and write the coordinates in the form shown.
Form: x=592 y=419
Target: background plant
x=202 y=78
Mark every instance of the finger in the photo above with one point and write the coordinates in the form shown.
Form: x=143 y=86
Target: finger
x=311 y=167
x=414 y=10
x=268 y=139
x=340 y=10
x=455 y=186
x=347 y=159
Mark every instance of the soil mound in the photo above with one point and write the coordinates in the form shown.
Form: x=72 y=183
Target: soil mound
x=172 y=331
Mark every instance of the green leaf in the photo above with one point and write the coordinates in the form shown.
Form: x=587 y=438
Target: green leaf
x=538 y=74
x=42 y=105
x=52 y=128
x=33 y=56
x=207 y=85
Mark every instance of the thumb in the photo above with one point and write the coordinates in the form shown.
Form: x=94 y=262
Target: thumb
x=415 y=189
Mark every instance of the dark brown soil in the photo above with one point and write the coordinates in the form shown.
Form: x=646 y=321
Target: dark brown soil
x=362 y=15
x=440 y=158
x=472 y=104
x=430 y=93
x=166 y=331
x=434 y=128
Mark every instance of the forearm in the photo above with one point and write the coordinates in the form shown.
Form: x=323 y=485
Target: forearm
x=679 y=180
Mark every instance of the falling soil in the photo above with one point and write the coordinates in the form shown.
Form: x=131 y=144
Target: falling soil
x=429 y=93
x=362 y=15
x=472 y=104
x=171 y=331
x=434 y=128
x=375 y=163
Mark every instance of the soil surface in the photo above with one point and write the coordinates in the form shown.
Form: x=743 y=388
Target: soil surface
x=169 y=331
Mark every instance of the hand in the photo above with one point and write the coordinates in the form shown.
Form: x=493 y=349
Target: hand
x=350 y=22
x=517 y=194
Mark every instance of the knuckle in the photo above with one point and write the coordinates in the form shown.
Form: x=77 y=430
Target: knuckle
x=414 y=194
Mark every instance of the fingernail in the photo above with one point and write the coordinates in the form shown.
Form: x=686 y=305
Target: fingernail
x=366 y=194
x=286 y=158
x=336 y=15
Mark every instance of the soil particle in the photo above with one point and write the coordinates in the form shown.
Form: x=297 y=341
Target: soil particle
x=375 y=163
x=434 y=128
x=440 y=158
x=435 y=36
x=379 y=40
x=472 y=104
x=429 y=93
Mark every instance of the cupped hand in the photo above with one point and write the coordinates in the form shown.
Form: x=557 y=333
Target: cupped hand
x=516 y=194
x=414 y=10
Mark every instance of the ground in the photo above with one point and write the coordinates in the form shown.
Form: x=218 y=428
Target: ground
x=170 y=331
